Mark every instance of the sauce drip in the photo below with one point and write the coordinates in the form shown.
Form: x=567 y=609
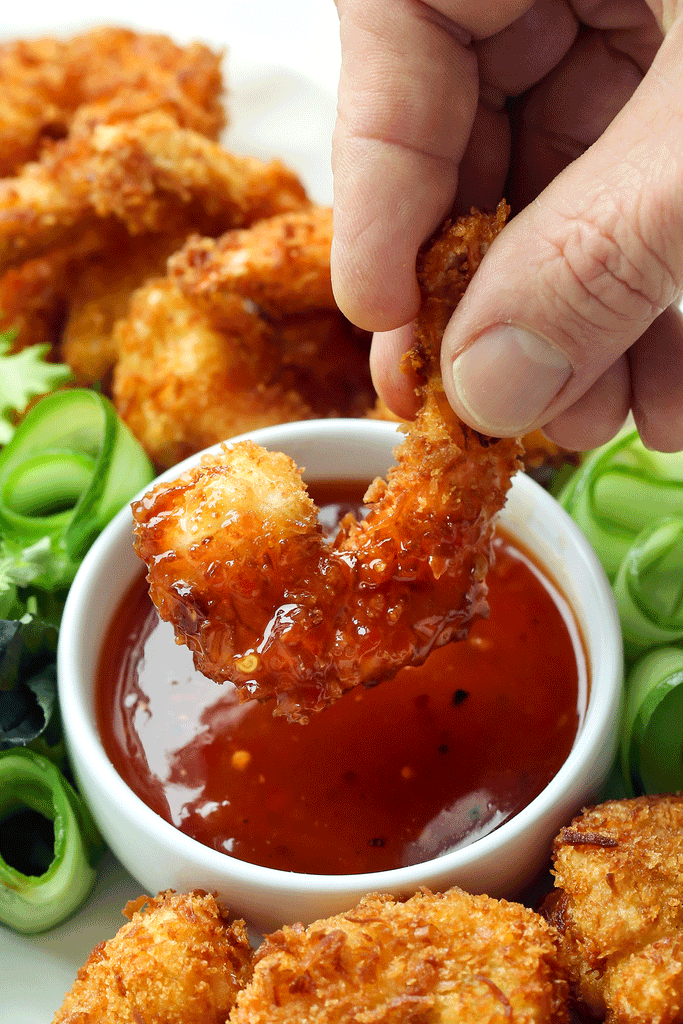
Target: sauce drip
x=387 y=776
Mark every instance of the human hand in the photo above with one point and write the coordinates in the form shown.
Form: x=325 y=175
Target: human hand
x=574 y=111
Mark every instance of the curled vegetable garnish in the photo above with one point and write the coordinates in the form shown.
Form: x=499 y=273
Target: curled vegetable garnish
x=618 y=491
x=652 y=734
x=70 y=466
x=23 y=375
x=33 y=903
x=649 y=587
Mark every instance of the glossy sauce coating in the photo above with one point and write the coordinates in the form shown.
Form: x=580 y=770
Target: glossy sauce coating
x=387 y=776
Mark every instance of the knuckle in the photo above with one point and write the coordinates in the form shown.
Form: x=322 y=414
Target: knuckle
x=614 y=267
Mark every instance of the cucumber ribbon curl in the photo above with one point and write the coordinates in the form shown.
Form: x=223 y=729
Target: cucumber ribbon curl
x=649 y=587
x=67 y=470
x=33 y=903
x=629 y=503
x=652 y=737
x=620 y=489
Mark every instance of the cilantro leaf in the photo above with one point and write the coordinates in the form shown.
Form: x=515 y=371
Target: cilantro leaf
x=19 y=567
x=24 y=375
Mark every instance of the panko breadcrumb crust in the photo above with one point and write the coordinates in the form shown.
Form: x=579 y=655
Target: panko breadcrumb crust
x=435 y=958
x=177 y=961
x=618 y=907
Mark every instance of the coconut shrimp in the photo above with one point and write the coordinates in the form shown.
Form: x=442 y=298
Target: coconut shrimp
x=239 y=563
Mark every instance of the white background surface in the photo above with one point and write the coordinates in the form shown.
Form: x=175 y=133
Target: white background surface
x=282 y=64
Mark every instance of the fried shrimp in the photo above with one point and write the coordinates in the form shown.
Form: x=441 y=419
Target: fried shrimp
x=239 y=563
x=451 y=958
x=618 y=906
x=101 y=76
x=178 y=961
x=242 y=333
x=100 y=294
x=282 y=264
x=144 y=172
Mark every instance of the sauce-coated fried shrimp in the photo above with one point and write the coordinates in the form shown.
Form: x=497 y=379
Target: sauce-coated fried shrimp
x=618 y=907
x=178 y=961
x=238 y=561
x=451 y=959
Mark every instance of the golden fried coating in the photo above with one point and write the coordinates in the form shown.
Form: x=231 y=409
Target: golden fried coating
x=100 y=294
x=101 y=76
x=297 y=616
x=199 y=361
x=452 y=958
x=178 y=961
x=33 y=296
x=618 y=906
x=144 y=172
x=282 y=264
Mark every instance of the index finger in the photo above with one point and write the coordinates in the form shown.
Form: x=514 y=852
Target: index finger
x=407 y=99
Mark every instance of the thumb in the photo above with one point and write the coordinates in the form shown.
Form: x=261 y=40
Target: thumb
x=577 y=277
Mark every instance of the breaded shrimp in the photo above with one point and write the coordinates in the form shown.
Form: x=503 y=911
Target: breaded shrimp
x=178 y=961
x=100 y=293
x=282 y=264
x=33 y=296
x=452 y=958
x=144 y=172
x=101 y=76
x=238 y=561
x=618 y=907
x=205 y=354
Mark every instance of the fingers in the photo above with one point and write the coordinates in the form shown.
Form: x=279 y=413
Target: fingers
x=656 y=363
x=407 y=100
x=580 y=274
x=393 y=379
x=597 y=416
x=567 y=112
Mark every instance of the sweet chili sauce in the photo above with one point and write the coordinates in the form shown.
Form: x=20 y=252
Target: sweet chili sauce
x=387 y=776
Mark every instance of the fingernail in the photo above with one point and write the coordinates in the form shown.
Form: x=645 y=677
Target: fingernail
x=508 y=377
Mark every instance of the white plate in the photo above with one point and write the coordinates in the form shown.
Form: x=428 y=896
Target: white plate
x=282 y=103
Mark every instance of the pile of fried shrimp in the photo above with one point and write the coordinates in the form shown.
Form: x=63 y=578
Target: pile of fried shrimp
x=605 y=944
x=190 y=284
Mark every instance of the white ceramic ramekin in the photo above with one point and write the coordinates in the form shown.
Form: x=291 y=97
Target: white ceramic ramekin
x=500 y=863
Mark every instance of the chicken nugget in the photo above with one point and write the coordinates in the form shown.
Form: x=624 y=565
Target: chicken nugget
x=178 y=961
x=618 y=906
x=435 y=958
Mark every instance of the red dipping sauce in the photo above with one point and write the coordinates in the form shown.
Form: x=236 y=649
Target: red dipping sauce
x=423 y=763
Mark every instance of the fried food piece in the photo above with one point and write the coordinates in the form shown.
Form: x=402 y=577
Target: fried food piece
x=146 y=173
x=33 y=296
x=451 y=958
x=282 y=264
x=265 y=600
x=100 y=295
x=199 y=361
x=101 y=76
x=618 y=906
x=178 y=961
